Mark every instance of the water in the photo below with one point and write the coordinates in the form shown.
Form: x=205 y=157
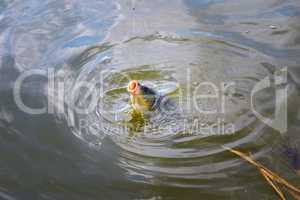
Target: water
x=172 y=46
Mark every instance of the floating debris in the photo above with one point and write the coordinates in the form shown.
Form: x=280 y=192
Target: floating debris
x=273 y=27
x=272 y=178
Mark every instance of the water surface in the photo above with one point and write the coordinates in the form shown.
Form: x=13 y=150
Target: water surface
x=172 y=46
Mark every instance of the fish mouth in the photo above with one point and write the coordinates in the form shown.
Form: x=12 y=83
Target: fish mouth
x=133 y=86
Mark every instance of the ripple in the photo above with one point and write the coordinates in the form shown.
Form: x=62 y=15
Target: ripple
x=184 y=148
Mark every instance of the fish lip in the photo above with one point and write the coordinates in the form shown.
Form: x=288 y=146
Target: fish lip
x=133 y=86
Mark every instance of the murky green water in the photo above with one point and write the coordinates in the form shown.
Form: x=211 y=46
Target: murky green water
x=79 y=57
